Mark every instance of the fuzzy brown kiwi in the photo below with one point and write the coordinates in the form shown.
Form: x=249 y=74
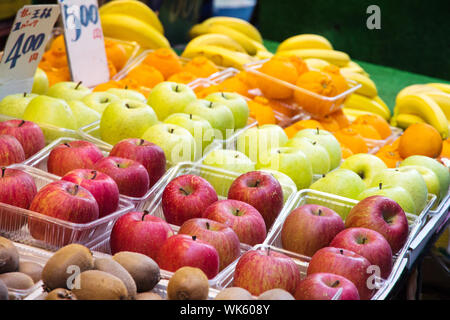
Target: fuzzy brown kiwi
x=234 y=293
x=61 y=294
x=188 y=283
x=99 y=285
x=3 y=291
x=17 y=280
x=276 y=294
x=33 y=269
x=113 y=267
x=9 y=256
x=148 y=296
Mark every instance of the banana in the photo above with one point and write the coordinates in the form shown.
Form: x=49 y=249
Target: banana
x=359 y=102
x=443 y=100
x=423 y=106
x=263 y=55
x=317 y=64
x=352 y=114
x=134 y=9
x=368 y=87
x=337 y=58
x=380 y=101
x=237 y=24
x=216 y=39
x=305 y=41
x=346 y=70
x=125 y=27
x=404 y=120
x=441 y=86
x=415 y=89
x=218 y=55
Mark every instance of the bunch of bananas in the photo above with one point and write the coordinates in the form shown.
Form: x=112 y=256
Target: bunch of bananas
x=423 y=103
x=227 y=41
x=131 y=20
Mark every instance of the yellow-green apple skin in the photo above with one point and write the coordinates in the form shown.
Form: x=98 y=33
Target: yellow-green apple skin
x=398 y=194
x=327 y=140
x=98 y=101
x=126 y=119
x=127 y=94
x=82 y=113
x=40 y=82
x=315 y=152
x=14 y=105
x=341 y=182
x=291 y=162
x=236 y=103
x=68 y=90
x=365 y=165
x=287 y=184
x=431 y=179
x=177 y=143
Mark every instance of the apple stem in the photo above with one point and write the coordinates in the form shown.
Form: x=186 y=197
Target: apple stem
x=127 y=105
x=66 y=144
x=317 y=130
x=176 y=88
x=184 y=191
x=194 y=238
x=341 y=251
x=207 y=225
x=380 y=185
x=78 y=84
x=24 y=94
x=94 y=174
x=141 y=142
x=268 y=251
x=320 y=212
x=236 y=156
x=190 y=116
x=335 y=284
x=314 y=143
x=77 y=187
x=22 y=123
x=146 y=212
x=363 y=240
x=257 y=183
x=126 y=87
x=223 y=95
x=105 y=101
x=3 y=171
x=210 y=104
x=171 y=130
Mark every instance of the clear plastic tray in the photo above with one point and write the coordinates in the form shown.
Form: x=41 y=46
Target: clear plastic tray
x=375 y=145
x=57 y=233
x=313 y=103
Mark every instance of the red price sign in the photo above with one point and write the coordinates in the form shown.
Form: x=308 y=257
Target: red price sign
x=24 y=48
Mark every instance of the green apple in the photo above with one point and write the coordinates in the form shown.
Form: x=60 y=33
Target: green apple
x=126 y=119
x=439 y=169
x=398 y=194
x=40 y=82
x=327 y=140
x=410 y=179
x=98 y=101
x=291 y=162
x=177 y=142
x=287 y=184
x=14 y=105
x=228 y=160
x=196 y=125
x=82 y=113
x=341 y=182
x=236 y=103
x=431 y=179
x=316 y=153
x=256 y=142
x=170 y=97
x=217 y=114
x=127 y=94
x=51 y=111
x=68 y=90
x=365 y=165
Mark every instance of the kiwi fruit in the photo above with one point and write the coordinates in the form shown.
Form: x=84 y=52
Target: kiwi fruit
x=60 y=294
x=188 y=283
x=9 y=256
x=99 y=285
x=144 y=270
x=3 y=291
x=276 y=294
x=234 y=293
x=57 y=270
x=17 y=280
x=113 y=267
x=33 y=269
x=148 y=296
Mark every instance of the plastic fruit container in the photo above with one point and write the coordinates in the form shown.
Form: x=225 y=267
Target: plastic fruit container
x=54 y=233
x=375 y=145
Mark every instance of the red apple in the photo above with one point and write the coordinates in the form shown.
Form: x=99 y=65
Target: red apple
x=245 y=220
x=186 y=197
x=182 y=250
x=62 y=200
x=382 y=215
x=260 y=270
x=345 y=263
x=220 y=236
x=131 y=176
x=139 y=232
x=103 y=188
x=150 y=155
x=309 y=228
x=28 y=133
x=324 y=286
x=262 y=191
x=11 y=150
x=368 y=243
x=73 y=155
x=17 y=188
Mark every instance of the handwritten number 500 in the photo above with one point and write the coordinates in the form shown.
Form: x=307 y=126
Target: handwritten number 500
x=80 y=16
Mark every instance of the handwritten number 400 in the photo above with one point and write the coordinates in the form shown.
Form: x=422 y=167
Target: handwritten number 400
x=32 y=43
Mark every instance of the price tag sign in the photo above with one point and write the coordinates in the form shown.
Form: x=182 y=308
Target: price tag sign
x=84 y=41
x=25 y=46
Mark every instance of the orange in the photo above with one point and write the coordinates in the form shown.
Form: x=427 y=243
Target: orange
x=352 y=140
x=367 y=131
x=299 y=64
x=340 y=118
x=202 y=92
x=165 y=60
x=116 y=53
x=56 y=58
x=235 y=84
x=390 y=158
x=201 y=66
x=146 y=75
x=280 y=68
x=302 y=124
x=112 y=69
x=376 y=121
x=107 y=85
x=248 y=78
x=58 y=43
x=346 y=152
x=445 y=148
x=420 y=139
x=261 y=113
x=182 y=77
x=291 y=131
x=329 y=124
x=317 y=82
x=339 y=81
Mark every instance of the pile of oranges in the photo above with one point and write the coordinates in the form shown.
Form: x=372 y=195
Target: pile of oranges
x=162 y=65
x=54 y=61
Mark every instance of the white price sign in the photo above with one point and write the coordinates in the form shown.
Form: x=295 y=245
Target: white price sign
x=84 y=41
x=25 y=46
